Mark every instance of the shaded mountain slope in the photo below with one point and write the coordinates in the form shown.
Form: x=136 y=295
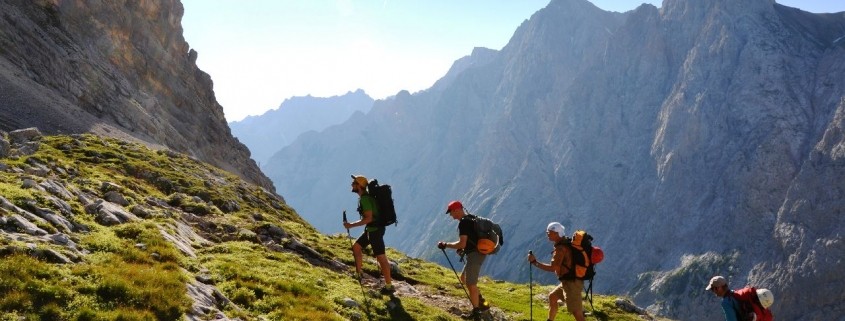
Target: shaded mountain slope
x=695 y=139
x=119 y=68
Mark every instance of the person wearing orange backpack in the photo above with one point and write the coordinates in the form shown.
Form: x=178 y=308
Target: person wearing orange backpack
x=569 y=289
x=467 y=243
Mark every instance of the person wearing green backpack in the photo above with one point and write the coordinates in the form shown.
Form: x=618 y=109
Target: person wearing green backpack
x=373 y=233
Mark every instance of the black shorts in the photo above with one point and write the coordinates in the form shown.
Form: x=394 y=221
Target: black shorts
x=374 y=238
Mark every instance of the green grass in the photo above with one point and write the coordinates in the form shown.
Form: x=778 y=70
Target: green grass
x=131 y=272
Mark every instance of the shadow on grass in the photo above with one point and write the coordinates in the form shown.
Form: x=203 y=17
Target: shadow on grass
x=396 y=310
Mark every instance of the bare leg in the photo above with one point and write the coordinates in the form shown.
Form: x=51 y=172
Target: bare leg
x=385 y=268
x=356 y=252
x=578 y=314
x=473 y=291
x=552 y=305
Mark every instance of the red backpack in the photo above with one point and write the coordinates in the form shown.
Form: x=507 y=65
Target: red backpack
x=749 y=305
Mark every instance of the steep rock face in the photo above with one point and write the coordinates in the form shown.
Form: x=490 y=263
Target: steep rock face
x=696 y=139
x=119 y=68
x=268 y=133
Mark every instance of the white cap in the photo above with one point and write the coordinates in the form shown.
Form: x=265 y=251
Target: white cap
x=715 y=282
x=557 y=227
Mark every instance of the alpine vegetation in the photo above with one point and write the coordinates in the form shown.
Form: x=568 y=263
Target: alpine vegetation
x=95 y=228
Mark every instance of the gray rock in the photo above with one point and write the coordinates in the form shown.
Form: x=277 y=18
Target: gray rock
x=52 y=256
x=61 y=205
x=115 y=197
x=37 y=169
x=109 y=213
x=5 y=147
x=141 y=211
x=25 y=135
x=628 y=306
x=56 y=188
x=207 y=302
x=394 y=268
x=350 y=303
x=29 y=183
x=55 y=220
x=61 y=239
x=110 y=187
x=25 y=225
x=28 y=148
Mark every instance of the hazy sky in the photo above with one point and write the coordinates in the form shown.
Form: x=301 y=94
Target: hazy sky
x=260 y=52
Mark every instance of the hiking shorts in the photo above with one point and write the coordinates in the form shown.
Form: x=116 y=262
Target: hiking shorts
x=374 y=238
x=570 y=292
x=473 y=267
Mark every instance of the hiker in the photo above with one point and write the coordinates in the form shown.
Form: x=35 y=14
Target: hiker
x=373 y=234
x=466 y=246
x=719 y=286
x=569 y=289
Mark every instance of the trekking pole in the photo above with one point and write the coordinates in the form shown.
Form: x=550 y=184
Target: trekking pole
x=456 y=275
x=360 y=277
x=531 y=286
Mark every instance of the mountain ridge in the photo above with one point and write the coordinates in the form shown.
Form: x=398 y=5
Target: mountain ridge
x=269 y=132
x=120 y=68
x=654 y=126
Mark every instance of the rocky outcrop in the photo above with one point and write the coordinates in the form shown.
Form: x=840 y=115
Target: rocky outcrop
x=695 y=139
x=117 y=68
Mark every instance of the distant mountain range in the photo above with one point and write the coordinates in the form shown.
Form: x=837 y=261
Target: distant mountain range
x=699 y=138
x=268 y=133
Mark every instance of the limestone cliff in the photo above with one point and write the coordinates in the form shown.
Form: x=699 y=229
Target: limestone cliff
x=699 y=138
x=119 y=68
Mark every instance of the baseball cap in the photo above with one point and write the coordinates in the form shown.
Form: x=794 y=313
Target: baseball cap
x=360 y=179
x=454 y=205
x=716 y=281
x=557 y=228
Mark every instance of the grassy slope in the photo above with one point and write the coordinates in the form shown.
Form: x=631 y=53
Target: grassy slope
x=117 y=279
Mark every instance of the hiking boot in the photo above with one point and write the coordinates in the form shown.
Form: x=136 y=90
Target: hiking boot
x=483 y=304
x=475 y=314
x=388 y=289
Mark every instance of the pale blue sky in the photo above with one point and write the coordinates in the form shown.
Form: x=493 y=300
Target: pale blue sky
x=260 y=52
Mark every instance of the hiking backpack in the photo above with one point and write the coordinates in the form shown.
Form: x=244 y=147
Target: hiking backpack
x=384 y=201
x=584 y=258
x=750 y=308
x=489 y=234
x=581 y=247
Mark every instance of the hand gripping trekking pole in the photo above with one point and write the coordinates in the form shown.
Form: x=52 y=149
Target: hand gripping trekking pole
x=360 y=277
x=531 y=286
x=456 y=275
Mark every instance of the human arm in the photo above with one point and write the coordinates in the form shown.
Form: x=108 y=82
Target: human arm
x=366 y=218
x=552 y=266
x=367 y=205
x=459 y=244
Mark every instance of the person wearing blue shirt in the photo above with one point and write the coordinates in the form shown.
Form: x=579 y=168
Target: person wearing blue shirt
x=719 y=286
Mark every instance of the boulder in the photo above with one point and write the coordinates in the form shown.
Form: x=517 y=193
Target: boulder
x=25 y=135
